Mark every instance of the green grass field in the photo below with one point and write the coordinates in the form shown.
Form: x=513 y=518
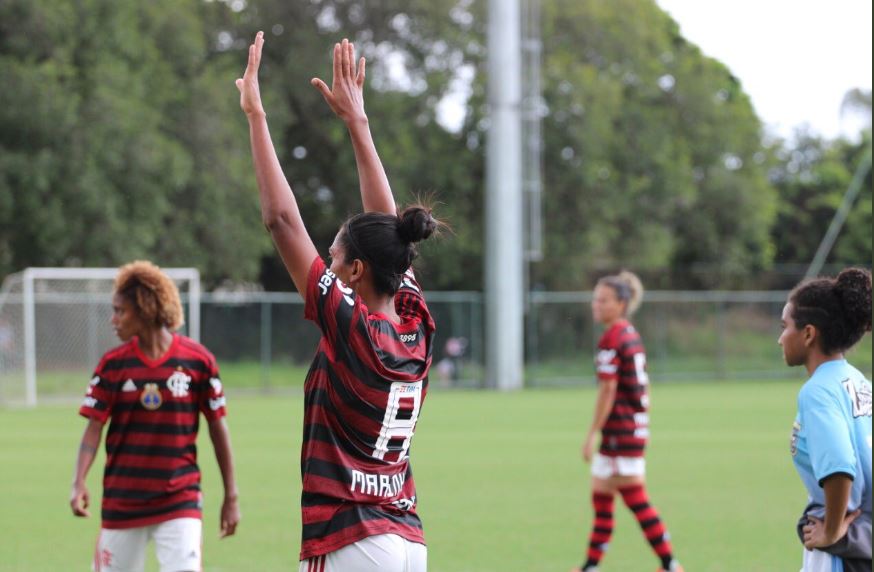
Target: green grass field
x=499 y=477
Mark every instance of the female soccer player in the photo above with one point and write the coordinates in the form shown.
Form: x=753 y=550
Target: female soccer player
x=622 y=420
x=152 y=388
x=831 y=436
x=368 y=380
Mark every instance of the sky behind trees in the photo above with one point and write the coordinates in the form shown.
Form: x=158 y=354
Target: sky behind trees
x=817 y=50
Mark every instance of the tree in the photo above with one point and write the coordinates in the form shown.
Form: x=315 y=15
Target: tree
x=812 y=177
x=651 y=150
x=123 y=139
x=114 y=145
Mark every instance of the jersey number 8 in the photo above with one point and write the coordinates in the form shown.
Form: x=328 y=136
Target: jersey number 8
x=401 y=414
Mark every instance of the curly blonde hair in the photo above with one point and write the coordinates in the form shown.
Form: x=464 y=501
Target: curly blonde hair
x=153 y=294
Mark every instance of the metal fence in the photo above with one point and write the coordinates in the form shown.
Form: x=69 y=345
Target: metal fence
x=689 y=335
x=262 y=341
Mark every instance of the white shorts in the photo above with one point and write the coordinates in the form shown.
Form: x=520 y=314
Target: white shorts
x=818 y=561
x=604 y=467
x=380 y=553
x=177 y=546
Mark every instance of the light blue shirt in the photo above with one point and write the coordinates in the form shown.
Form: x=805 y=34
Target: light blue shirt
x=832 y=432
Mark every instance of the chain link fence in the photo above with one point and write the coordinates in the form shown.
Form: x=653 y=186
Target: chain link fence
x=263 y=343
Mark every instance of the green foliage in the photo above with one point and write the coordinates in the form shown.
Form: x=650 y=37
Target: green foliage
x=121 y=137
x=812 y=178
x=114 y=143
x=651 y=149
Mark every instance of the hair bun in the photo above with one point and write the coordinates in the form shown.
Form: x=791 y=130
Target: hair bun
x=853 y=288
x=416 y=224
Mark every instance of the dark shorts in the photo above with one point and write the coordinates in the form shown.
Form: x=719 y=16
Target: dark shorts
x=854 y=548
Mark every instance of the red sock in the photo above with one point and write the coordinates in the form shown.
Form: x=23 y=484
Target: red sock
x=636 y=499
x=602 y=528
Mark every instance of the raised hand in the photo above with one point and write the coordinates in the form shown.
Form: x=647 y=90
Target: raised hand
x=346 y=95
x=250 y=93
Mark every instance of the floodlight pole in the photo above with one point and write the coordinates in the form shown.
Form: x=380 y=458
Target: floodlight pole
x=503 y=217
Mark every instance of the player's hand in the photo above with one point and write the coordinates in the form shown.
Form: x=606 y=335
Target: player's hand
x=346 y=96
x=588 y=450
x=814 y=531
x=230 y=517
x=250 y=92
x=80 y=499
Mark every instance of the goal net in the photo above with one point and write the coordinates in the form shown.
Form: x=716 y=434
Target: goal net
x=54 y=327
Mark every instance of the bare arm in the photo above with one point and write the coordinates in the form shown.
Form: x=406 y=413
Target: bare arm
x=603 y=406
x=79 y=495
x=221 y=443
x=279 y=209
x=346 y=99
x=818 y=533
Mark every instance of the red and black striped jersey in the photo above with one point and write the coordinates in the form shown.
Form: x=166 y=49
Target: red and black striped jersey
x=363 y=394
x=151 y=472
x=621 y=359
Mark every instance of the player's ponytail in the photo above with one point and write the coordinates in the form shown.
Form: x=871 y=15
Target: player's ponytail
x=853 y=288
x=628 y=288
x=415 y=224
x=387 y=243
x=839 y=308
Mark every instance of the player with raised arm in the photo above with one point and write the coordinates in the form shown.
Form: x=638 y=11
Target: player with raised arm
x=622 y=419
x=831 y=436
x=152 y=389
x=368 y=380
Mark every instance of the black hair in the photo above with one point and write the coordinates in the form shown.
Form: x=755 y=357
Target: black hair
x=387 y=243
x=839 y=308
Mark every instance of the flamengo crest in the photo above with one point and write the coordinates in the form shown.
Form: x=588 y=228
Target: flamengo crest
x=178 y=384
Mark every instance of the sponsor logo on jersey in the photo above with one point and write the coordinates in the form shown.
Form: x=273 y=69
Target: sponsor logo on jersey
x=89 y=402
x=151 y=397
x=216 y=404
x=405 y=504
x=860 y=397
x=178 y=384
x=327 y=279
x=216 y=384
x=605 y=356
x=129 y=385
x=92 y=384
x=793 y=439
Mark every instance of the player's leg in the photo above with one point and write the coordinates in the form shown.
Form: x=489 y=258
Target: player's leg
x=121 y=550
x=178 y=544
x=602 y=505
x=632 y=486
x=381 y=553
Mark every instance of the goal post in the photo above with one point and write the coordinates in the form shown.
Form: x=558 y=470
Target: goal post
x=54 y=326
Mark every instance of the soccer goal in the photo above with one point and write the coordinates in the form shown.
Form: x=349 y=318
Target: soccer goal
x=54 y=327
